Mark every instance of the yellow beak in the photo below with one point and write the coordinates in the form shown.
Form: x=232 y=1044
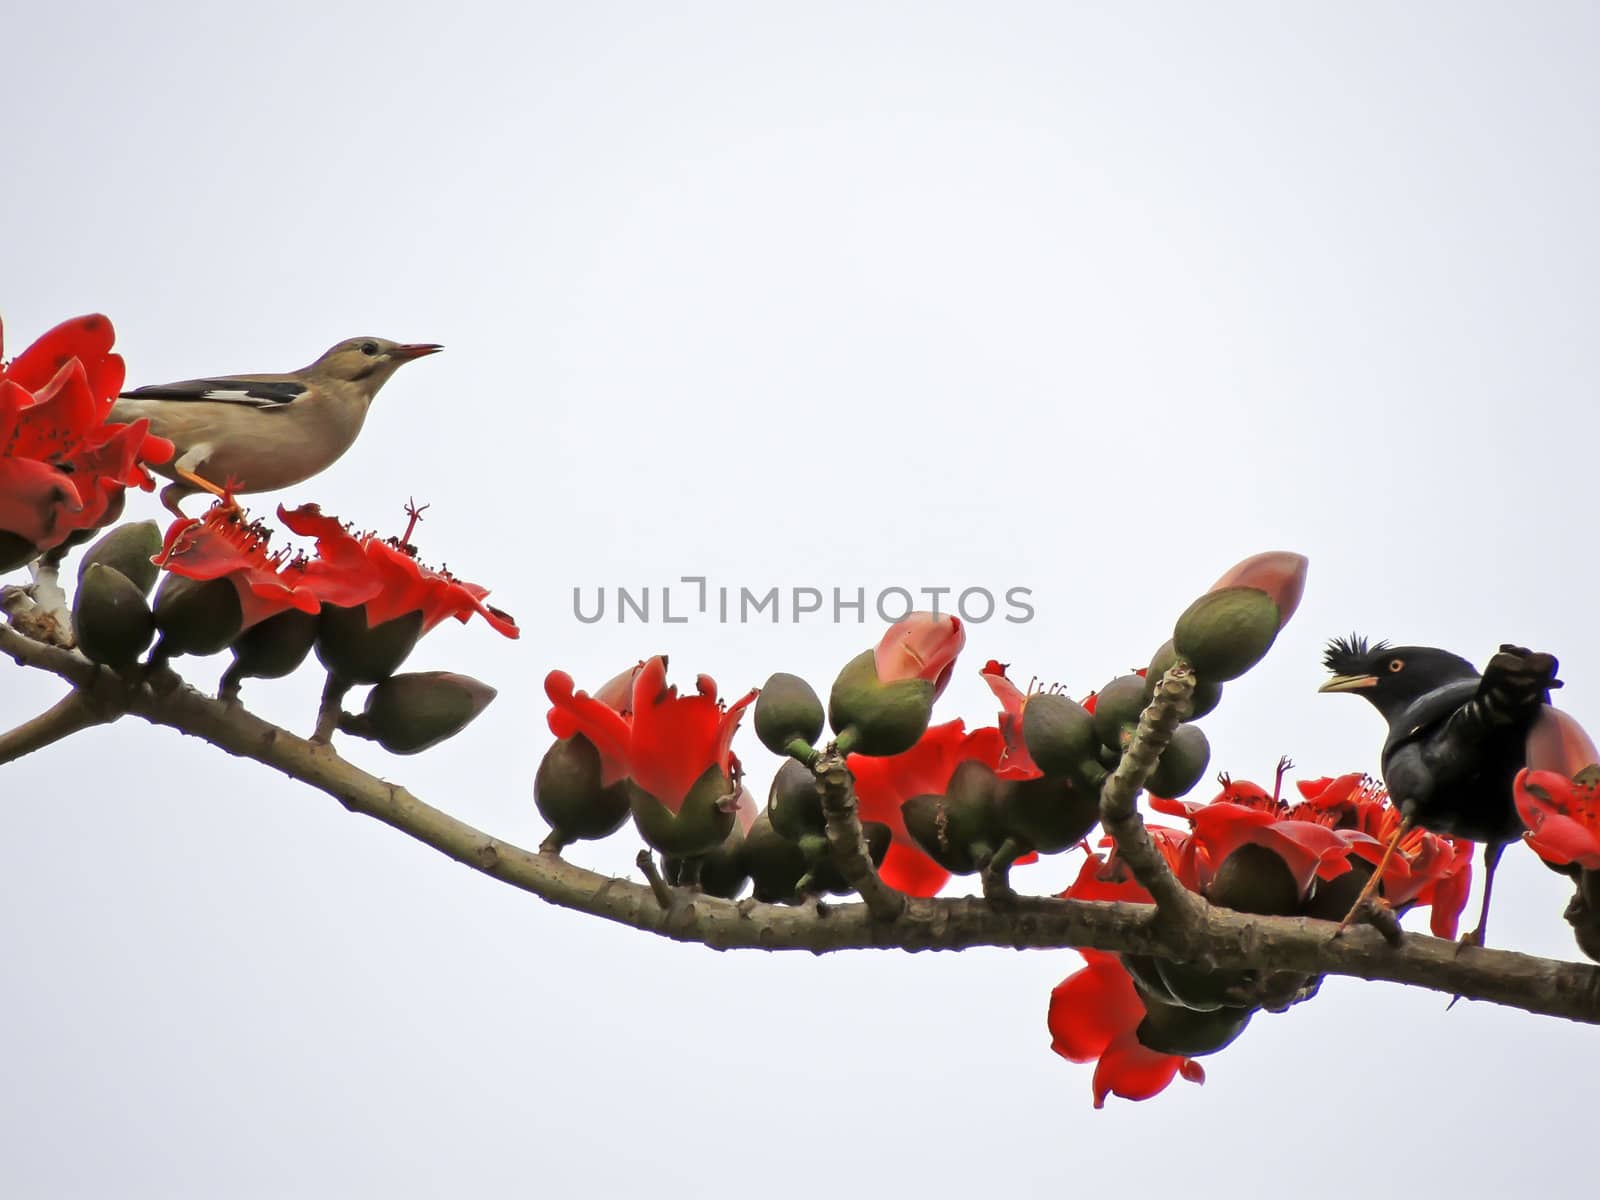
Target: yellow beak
x=1349 y=683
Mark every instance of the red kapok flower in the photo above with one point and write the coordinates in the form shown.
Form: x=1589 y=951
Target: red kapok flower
x=1094 y=1015
x=883 y=784
x=664 y=743
x=1562 y=816
x=1242 y=814
x=922 y=645
x=1426 y=869
x=221 y=545
x=61 y=465
x=1015 y=761
x=388 y=576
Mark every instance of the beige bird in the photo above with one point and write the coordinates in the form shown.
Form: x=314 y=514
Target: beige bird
x=259 y=433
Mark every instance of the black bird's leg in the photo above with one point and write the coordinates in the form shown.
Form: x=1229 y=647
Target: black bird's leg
x=1377 y=875
x=1491 y=860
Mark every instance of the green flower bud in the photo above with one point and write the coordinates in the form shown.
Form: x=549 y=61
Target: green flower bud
x=1255 y=880
x=1332 y=899
x=568 y=794
x=787 y=711
x=721 y=872
x=128 y=549
x=775 y=863
x=701 y=822
x=1116 y=710
x=273 y=648
x=1223 y=634
x=195 y=616
x=356 y=654
x=1049 y=814
x=875 y=718
x=1146 y=973
x=1167 y=1029
x=1201 y=989
x=1059 y=733
x=111 y=618
x=1181 y=765
x=961 y=829
x=407 y=714
x=794 y=804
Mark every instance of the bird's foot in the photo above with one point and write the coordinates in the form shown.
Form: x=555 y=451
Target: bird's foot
x=1474 y=939
x=1374 y=911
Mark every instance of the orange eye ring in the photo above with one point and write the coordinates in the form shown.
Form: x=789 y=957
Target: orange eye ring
x=1396 y=664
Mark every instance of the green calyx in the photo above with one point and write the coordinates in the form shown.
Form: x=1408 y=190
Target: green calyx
x=875 y=718
x=195 y=616
x=128 y=549
x=111 y=618
x=1181 y=765
x=1116 y=710
x=1050 y=814
x=961 y=829
x=356 y=653
x=568 y=794
x=1059 y=734
x=1169 y=1029
x=701 y=822
x=1225 y=633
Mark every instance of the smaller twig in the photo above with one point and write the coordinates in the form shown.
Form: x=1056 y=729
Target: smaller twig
x=357 y=725
x=847 y=844
x=330 y=711
x=658 y=885
x=996 y=875
x=1119 y=813
x=67 y=716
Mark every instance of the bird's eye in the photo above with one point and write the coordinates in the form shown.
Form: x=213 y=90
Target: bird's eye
x=1397 y=664
x=369 y=348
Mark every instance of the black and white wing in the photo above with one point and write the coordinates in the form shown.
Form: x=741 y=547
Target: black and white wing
x=254 y=393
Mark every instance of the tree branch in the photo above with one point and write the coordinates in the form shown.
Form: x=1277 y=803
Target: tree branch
x=1221 y=938
x=67 y=716
x=847 y=843
x=1119 y=813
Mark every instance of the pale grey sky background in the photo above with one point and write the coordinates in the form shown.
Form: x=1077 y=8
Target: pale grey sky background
x=1092 y=299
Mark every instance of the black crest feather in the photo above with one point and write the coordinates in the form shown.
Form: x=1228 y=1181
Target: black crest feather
x=1346 y=656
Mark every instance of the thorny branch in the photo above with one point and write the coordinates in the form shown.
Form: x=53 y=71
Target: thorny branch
x=1215 y=937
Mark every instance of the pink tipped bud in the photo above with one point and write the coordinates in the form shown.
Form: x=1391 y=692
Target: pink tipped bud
x=1281 y=574
x=1558 y=743
x=923 y=645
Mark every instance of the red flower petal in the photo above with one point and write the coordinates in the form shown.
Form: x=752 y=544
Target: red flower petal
x=577 y=712
x=1130 y=1070
x=1092 y=1007
x=37 y=502
x=909 y=870
x=883 y=784
x=1562 y=816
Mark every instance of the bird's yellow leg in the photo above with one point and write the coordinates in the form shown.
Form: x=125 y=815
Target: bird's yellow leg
x=205 y=485
x=1376 y=878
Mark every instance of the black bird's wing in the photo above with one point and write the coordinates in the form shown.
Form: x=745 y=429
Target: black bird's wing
x=1427 y=713
x=1451 y=755
x=253 y=393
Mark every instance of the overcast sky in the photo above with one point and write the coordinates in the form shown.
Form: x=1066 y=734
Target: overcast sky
x=1087 y=299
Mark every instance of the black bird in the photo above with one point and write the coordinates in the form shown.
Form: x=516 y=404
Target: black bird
x=1456 y=739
